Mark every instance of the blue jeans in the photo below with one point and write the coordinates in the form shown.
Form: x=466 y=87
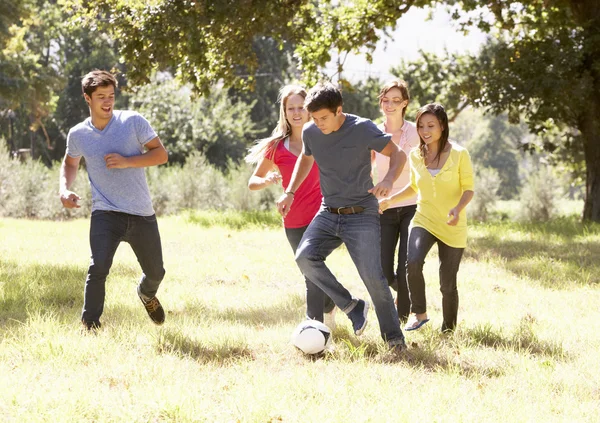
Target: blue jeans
x=361 y=235
x=107 y=230
x=316 y=301
x=394 y=232
x=419 y=244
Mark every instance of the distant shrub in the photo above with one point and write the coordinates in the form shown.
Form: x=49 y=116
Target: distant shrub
x=30 y=189
x=538 y=196
x=487 y=184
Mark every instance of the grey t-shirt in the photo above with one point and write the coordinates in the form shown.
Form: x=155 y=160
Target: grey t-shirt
x=344 y=160
x=122 y=190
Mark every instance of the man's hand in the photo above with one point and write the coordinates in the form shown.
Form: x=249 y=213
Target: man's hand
x=453 y=214
x=382 y=189
x=116 y=161
x=284 y=203
x=69 y=199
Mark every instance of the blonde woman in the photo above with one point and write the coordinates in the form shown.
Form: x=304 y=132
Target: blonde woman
x=442 y=175
x=275 y=158
x=393 y=101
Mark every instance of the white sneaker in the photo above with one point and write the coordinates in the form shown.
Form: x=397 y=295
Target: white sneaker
x=329 y=319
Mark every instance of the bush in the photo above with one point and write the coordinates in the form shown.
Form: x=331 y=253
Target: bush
x=487 y=184
x=30 y=189
x=538 y=196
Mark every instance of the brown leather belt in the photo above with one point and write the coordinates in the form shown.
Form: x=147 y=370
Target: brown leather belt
x=345 y=210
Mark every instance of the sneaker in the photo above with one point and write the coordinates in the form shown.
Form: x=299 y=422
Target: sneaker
x=329 y=319
x=358 y=316
x=153 y=307
x=398 y=348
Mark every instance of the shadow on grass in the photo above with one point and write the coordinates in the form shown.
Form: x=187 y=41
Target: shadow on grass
x=43 y=287
x=288 y=309
x=556 y=254
x=432 y=357
x=172 y=341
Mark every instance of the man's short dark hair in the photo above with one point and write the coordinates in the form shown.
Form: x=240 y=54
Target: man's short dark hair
x=324 y=95
x=97 y=78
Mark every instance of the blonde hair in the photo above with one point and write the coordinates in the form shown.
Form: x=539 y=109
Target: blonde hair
x=281 y=131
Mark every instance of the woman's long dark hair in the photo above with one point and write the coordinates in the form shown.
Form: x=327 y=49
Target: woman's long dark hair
x=438 y=111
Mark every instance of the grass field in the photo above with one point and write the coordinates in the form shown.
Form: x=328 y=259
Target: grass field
x=526 y=348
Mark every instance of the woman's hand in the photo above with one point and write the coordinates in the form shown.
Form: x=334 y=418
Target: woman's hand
x=272 y=178
x=453 y=214
x=384 y=204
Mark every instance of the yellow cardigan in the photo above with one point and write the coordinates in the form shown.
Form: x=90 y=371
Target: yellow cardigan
x=437 y=195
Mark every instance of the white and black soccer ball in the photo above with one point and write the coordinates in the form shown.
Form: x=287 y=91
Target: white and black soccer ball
x=311 y=337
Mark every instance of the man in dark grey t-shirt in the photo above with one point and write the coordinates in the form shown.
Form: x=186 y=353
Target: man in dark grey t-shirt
x=116 y=145
x=341 y=144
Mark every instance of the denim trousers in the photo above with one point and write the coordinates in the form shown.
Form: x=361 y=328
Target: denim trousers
x=419 y=244
x=317 y=302
x=107 y=230
x=360 y=233
x=394 y=232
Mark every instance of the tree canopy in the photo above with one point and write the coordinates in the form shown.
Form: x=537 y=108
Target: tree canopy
x=203 y=41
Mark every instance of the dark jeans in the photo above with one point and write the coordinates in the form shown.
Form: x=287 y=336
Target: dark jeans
x=419 y=244
x=107 y=230
x=394 y=228
x=360 y=234
x=317 y=302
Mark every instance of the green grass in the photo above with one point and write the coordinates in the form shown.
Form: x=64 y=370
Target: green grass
x=525 y=350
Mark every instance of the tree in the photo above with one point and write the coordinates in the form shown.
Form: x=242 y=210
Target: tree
x=28 y=67
x=276 y=67
x=496 y=146
x=205 y=41
x=41 y=66
x=11 y=12
x=214 y=125
x=439 y=79
x=361 y=98
x=544 y=64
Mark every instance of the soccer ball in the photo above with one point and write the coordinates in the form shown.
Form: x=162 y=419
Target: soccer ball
x=311 y=337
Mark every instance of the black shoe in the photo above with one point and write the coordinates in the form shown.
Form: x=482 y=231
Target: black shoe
x=90 y=326
x=153 y=307
x=358 y=316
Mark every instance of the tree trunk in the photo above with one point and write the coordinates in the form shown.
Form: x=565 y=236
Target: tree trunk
x=588 y=14
x=590 y=131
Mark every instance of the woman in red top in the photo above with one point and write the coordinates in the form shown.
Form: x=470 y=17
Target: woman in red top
x=280 y=151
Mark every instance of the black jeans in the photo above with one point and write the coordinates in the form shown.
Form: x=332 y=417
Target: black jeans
x=317 y=302
x=107 y=230
x=419 y=244
x=394 y=228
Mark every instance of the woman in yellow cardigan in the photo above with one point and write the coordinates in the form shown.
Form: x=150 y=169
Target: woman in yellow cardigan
x=442 y=176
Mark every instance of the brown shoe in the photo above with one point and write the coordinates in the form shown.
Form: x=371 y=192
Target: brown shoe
x=153 y=307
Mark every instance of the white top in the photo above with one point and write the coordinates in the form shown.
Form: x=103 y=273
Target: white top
x=409 y=139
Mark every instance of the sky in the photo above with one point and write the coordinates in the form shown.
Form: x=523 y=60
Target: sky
x=413 y=32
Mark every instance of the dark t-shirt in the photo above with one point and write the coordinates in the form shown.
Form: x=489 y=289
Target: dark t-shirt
x=344 y=160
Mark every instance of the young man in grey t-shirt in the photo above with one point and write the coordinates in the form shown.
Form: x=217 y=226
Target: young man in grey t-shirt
x=116 y=145
x=341 y=144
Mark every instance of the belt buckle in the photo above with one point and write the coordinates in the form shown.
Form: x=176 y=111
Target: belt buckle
x=339 y=210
